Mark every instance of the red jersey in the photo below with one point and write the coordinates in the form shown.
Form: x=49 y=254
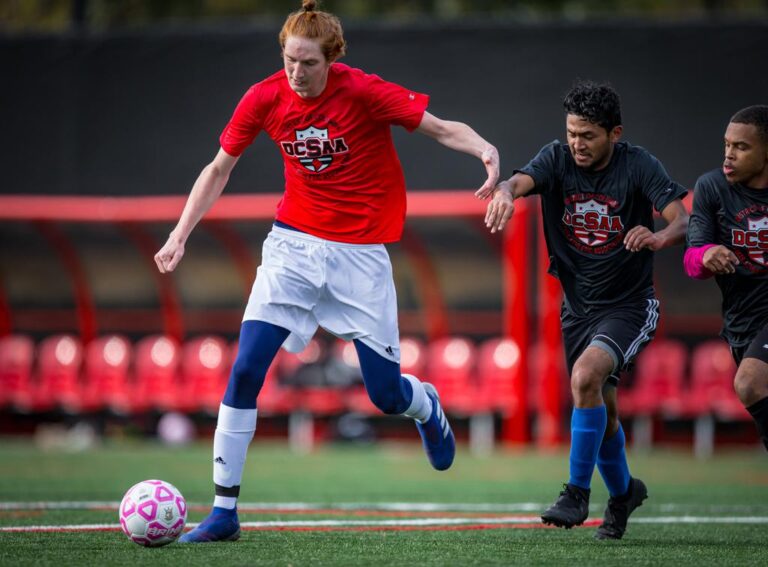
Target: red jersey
x=343 y=179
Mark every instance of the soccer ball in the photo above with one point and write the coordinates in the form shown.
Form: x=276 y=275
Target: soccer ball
x=153 y=513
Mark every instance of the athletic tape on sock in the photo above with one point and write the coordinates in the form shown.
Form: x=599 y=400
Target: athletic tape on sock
x=235 y=420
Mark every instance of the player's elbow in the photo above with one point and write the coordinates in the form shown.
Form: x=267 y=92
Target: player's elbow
x=443 y=130
x=217 y=174
x=682 y=227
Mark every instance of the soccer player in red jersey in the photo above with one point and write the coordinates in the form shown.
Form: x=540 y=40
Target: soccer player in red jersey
x=728 y=239
x=324 y=262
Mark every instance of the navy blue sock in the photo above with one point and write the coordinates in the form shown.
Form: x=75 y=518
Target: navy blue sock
x=612 y=464
x=587 y=430
x=386 y=387
x=258 y=345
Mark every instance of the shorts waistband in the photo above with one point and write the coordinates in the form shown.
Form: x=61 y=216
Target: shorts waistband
x=306 y=237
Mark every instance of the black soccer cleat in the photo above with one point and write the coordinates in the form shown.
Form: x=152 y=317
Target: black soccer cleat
x=618 y=510
x=571 y=509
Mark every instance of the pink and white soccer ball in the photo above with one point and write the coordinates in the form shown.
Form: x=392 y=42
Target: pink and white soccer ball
x=153 y=513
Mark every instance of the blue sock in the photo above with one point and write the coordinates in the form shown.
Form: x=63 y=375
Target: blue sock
x=587 y=430
x=258 y=345
x=612 y=464
x=386 y=387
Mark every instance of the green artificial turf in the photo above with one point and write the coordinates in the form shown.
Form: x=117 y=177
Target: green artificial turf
x=733 y=484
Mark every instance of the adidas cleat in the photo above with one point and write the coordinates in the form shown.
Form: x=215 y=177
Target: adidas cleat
x=571 y=509
x=618 y=510
x=220 y=525
x=436 y=434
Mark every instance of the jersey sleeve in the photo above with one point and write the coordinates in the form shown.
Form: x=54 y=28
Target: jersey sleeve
x=543 y=168
x=246 y=122
x=655 y=182
x=702 y=225
x=388 y=102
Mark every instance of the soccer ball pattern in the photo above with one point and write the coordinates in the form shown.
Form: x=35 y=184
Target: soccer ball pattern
x=153 y=513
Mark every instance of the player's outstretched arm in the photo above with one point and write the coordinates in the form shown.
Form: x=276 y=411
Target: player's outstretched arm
x=640 y=237
x=208 y=187
x=460 y=137
x=502 y=205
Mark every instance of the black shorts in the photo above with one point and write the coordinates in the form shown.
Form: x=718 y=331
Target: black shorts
x=622 y=331
x=757 y=348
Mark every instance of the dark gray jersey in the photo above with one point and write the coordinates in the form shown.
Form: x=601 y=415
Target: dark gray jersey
x=736 y=217
x=587 y=215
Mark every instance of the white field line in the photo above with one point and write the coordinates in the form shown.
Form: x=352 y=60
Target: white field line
x=62 y=528
x=513 y=507
x=416 y=522
x=308 y=524
x=700 y=520
x=300 y=506
x=715 y=516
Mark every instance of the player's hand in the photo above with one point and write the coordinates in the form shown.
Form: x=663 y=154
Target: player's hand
x=640 y=237
x=720 y=260
x=490 y=159
x=500 y=208
x=169 y=256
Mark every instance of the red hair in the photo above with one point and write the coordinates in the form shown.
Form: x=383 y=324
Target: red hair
x=314 y=24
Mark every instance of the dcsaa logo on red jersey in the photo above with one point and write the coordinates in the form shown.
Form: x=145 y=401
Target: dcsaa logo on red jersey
x=591 y=223
x=754 y=239
x=314 y=148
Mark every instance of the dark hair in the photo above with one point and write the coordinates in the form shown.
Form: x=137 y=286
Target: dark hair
x=756 y=115
x=312 y=23
x=597 y=103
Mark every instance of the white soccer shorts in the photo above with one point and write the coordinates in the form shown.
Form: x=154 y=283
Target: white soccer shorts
x=305 y=282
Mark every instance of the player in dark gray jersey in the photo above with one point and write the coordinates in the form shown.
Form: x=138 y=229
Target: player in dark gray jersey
x=598 y=196
x=587 y=214
x=728 y=239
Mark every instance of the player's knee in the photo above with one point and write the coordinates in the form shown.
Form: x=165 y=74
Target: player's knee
x=585 y=383
x=745 y=386
x=245 y=381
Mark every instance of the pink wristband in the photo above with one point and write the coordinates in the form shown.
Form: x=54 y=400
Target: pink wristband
x=693 y=261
